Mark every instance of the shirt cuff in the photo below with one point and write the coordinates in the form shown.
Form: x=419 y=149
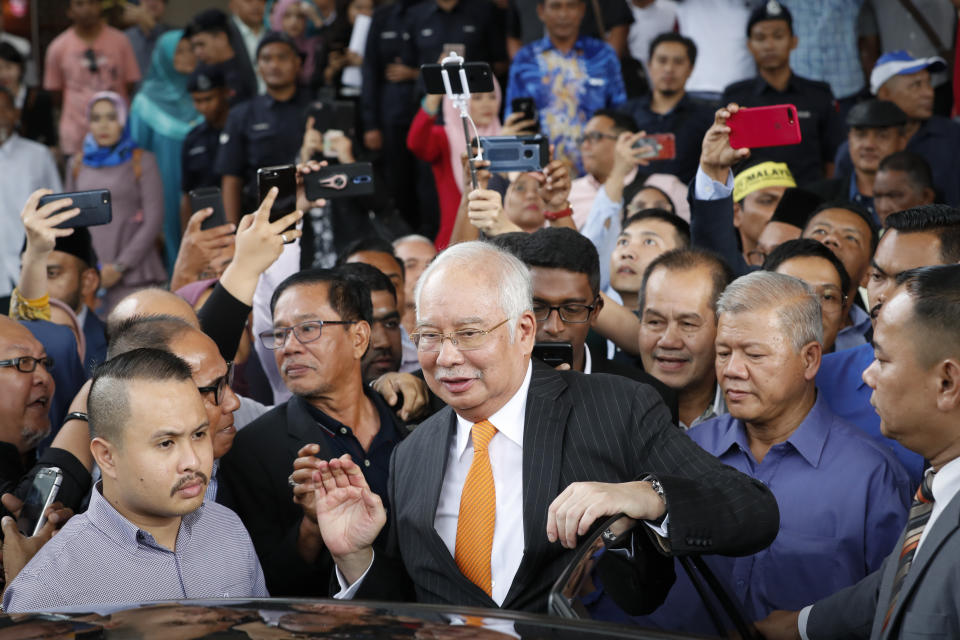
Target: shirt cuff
x=348 y=592
x=662 y=529
x=706 y=188
x=802 y=621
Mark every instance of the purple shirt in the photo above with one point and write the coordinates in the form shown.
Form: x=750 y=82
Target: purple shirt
x=100 y=557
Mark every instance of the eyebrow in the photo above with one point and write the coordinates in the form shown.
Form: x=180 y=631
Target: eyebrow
x=578 y=300
x=873 y=263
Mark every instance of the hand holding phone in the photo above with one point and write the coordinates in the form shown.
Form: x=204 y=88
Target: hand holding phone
x=339 y=181
x=43 y=492
x=94 y=207
x=284 y=178
x=554 y=353
x=663 y=146
x=208 y=198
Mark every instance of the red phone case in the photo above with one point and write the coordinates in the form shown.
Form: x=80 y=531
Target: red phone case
x=664 y=146
x=771 y=126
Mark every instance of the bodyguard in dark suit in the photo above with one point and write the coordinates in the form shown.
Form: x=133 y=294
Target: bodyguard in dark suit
x=915 y=380
x=565 y=270
x=494 y=524
x=321 y=332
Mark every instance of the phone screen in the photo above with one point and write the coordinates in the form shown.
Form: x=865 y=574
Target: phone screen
x=43 y=491
x=285 y=179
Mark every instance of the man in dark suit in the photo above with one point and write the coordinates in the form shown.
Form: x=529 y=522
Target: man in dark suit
x=565 y=270
x=915 y=379
x=493 y=524
x=321 y=330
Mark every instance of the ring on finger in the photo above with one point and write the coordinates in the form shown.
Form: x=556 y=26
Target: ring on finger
x=291 y=481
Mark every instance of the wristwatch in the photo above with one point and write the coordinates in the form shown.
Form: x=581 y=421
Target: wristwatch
x=658 y=488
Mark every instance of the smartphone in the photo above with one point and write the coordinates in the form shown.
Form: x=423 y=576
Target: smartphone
x=284 y=177
x=528 y=108
x=43 y=492
x=516 y=153
x=94 y=207
x=772 y=126
x=664 y=146
x=208 y=197
x=479 y=77
x=338 y=115
x=340 y=181
x=554 y=353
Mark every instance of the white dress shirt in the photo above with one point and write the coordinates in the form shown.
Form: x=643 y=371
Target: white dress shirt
x=946 y=485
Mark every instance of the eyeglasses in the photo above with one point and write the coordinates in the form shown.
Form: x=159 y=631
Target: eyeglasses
x=219 y=386
x=831 y=298
x=305 y=332
x=594 y=137
x=464 y=340
x=28 y=364
x=573 y=313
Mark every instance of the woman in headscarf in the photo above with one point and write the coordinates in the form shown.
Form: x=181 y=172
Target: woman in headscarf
x=127 y=246
x=160 y=118
x=288 y=16
x=442 y=145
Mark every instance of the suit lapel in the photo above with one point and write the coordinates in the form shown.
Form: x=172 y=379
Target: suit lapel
x=544 y=427
x=946 y=524
x=434 y=464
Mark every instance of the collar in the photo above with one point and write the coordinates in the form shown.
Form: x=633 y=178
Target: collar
x=10 y=144
x=587 y=360
x=82 y=316
x=946 y=484
x=761 y=86
x=21 y=96
x=115 y=526
x=859 y=320
x=245 y=29
x=545 y=44
x=716 y=409
x=508 y=420
x=271 y=101
x=808 y=439
x=332 y=426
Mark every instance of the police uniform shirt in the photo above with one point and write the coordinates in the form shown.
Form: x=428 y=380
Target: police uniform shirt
x=821 y=128
x=385 y=103
x=261 y=132
x=198 y=155
x=470 y=23
x=688 y=122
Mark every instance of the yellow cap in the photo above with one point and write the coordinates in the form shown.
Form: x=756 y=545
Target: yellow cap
x=761 y=176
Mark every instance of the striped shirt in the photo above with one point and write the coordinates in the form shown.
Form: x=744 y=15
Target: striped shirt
x=100 y=557
x=827 y=43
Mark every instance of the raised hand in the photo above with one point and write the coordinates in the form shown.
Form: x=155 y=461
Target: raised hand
x=485 y=210
x=349 y=514
x=555 y=185
x=199 y=248
x=716 y=154
x=312 y=141
x=18 y=549
x=573 y=512
x=40 y=223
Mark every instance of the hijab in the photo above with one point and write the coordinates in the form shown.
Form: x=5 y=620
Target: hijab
x=163 y=101
x=99 y=157
x=452 y=124
x=306 y=44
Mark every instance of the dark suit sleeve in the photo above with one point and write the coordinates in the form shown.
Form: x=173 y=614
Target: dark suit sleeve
x=248 y=486
x=711 y=227
x=223 y=318
x=849 y=612
x=712 y=508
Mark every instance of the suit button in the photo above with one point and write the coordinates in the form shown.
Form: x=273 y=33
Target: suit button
x=343 y=430
x=366 y=463
x=690 y=541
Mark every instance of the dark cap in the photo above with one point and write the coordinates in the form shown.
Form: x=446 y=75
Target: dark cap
x=279 y=36
x=79 y=245
x=209 y=20
x=876 y=113
x=771 y=10
x=206 y=77
x=795 y=207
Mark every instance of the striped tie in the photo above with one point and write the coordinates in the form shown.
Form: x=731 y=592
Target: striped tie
x=919 y=516
x=478 y=512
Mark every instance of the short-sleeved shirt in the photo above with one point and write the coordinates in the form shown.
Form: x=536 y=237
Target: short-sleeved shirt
x=198 y=155
x=470 y=23
x=827 y=43
x=100 y=557
x=261 y=132
x=567 y=88
x=821 y=129
x=688 y=121
x=80 y=70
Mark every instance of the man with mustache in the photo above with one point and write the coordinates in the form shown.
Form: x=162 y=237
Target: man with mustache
x=321 y=331
x=148 y=534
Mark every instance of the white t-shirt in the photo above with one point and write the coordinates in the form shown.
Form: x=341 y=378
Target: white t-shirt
x=649 y=22
x=719 y=29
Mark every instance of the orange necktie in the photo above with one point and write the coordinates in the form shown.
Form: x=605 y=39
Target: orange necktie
x=478 y=512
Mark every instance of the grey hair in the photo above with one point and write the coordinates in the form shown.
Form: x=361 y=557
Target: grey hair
x=796 y=303
x=510 y=276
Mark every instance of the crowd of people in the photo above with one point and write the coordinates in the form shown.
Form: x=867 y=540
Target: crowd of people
x=759 y=352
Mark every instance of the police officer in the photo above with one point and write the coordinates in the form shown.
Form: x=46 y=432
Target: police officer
x=434 y=23
x=266 y=130
x=208 y=88
x=770 y=39
x=388 y=105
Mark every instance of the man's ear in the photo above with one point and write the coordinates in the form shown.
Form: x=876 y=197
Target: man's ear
x=948 y=394
x=597 y=308
x=811 y=353
x=89 y=283
x=360 y=332
x=737 y=209
x=929 y=196
x=104 y=453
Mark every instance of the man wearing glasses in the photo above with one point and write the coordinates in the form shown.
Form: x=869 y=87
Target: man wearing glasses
x=27 y=390
x=321 y=331
x=565 y=271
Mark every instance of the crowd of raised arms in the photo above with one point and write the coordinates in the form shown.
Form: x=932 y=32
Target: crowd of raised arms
x=431 y=384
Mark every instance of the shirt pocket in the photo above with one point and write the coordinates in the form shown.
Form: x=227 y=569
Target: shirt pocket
x=921 y=624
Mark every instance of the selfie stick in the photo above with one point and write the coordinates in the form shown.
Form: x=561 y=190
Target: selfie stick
x=462 y=102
